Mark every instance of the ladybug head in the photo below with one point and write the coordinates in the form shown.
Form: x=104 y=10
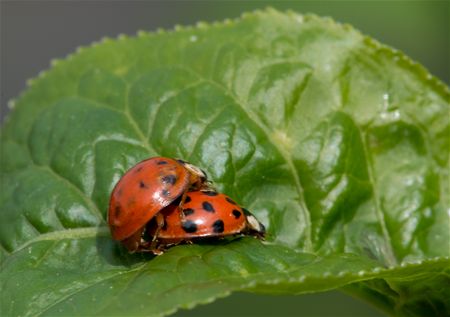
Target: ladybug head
x=201 y=174
x=254 y=225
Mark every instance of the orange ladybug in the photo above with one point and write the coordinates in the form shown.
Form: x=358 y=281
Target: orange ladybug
x=204 y=214
x=144 y=191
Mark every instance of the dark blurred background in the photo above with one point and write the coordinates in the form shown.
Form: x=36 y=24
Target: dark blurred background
x=34 y=32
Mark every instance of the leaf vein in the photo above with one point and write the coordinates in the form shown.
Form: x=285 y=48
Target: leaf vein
x=87 y=199
x=207 y=126
x=390 y=256
x=78 y=233
x=151 y=123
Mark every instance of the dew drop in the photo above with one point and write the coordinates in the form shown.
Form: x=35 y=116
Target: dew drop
x=395 y=114
x=385 y=101
x=243 y=272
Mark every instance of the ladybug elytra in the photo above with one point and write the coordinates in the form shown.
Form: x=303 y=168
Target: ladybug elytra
x=161 y=202
x=146 y=189
x=204 y=214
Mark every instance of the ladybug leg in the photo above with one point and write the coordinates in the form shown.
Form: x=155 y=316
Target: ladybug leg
x=133 y=242
x=181 y=213
x=160 y=224
x=153 y=245
x=157 y=251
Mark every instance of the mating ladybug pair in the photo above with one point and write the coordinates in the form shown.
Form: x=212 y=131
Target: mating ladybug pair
x=162 y=202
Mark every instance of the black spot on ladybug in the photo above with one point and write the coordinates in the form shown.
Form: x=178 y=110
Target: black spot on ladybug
x=187 y=199
x=165 y=192
x=169 y=179
x=188 y=211
x=161 y=162
x=231 y=201
x=236 y=213
x=208 y=207
x=138 y=169
x=117 y=211
x=210 y=193
x=142 y=184
x=218 y=226
x=189 y=226
x=246 y=212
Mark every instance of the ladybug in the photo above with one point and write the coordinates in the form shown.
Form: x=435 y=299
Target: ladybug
x=204 y=214
x=145 y=190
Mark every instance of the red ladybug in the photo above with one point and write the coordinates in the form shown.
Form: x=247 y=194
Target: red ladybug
x=144 y=191
x=203 y=214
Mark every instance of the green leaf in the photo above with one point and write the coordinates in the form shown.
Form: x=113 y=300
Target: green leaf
x=338 y=144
